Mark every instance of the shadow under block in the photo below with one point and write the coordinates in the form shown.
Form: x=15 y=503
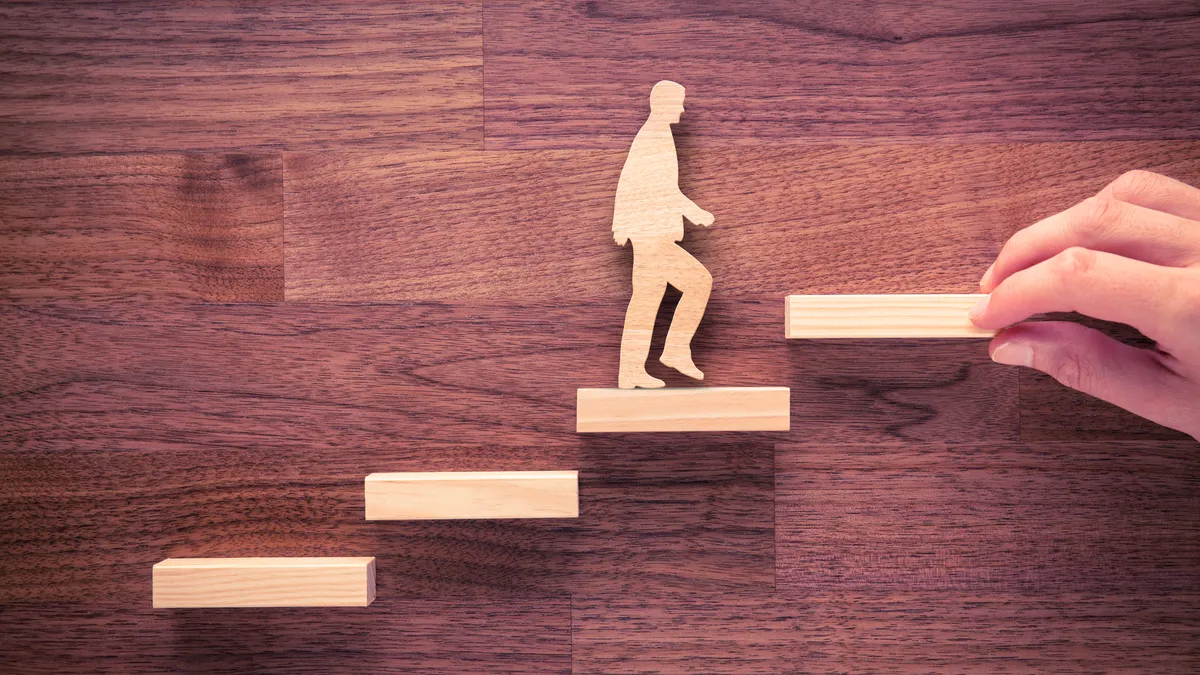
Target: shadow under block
x=264 y=582
x=881 y=316
x=684 y=409
x=454 y=495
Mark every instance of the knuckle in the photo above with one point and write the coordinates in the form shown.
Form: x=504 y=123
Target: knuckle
x=1072 y=370
x=1099 y=213
x=1092 y=218
x=1182 y=322
x=1074 y=262
x=1133 y=184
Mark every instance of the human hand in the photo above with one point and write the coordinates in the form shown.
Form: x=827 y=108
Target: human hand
x=1130 y=254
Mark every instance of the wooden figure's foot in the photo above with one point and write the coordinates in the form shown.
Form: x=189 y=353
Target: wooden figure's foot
x=681 y=360
x=641 y=380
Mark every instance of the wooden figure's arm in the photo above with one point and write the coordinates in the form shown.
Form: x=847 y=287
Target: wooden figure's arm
x=694 y=213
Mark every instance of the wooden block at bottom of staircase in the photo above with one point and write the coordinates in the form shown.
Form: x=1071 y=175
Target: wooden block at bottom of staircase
x=453 y=495
x=683 y=409
x=264 y=582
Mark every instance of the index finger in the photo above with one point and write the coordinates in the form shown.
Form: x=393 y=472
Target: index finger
x=1100 y=223
x=1155 y=191
x=1100 y=285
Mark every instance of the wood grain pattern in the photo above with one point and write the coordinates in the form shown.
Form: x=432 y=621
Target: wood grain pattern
x=668 y=516
x=815 y=219
x=287 y=375
x=185 y=76
x=442 y=636
x=881 y=316
x=148 y=227
x=571 y=74
x=471 y=495
x=683 y=409
x=263 y=582
x=932 y=510
x=1064 y=518
x=859 y=632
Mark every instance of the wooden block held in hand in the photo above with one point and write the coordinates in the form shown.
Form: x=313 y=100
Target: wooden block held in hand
x=264 y=582
x=684 y=409
x=472 y=495
x=881 y=316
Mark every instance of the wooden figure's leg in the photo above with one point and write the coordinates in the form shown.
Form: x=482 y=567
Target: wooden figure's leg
x=694 y=281
x=648 y=290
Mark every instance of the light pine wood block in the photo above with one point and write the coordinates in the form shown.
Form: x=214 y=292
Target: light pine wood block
x=684 y=409
x=264 y=582
x=452 y=495
x=881 y=316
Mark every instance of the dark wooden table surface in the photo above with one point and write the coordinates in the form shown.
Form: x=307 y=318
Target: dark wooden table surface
x=250 y=253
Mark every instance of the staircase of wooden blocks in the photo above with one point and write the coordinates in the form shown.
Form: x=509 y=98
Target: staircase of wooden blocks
x=350 y=581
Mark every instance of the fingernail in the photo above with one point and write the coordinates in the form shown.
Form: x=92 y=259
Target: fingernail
x=987 y=276
x=1014 y=353
x=979 y=308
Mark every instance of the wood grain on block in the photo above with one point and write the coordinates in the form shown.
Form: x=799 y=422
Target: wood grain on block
x=683 y=409
x=264 y=582
x=1070 y=517
x=854 y=218
x=97 y=78
x=571 y=74
x=881 y=316
x=142 y=227
x=452 y=495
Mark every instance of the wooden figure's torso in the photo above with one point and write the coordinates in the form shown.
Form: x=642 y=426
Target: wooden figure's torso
x=648 y=204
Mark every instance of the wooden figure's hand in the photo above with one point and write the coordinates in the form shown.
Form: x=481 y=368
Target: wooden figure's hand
x=620 y=238
x=703 y=218
x=1130 y=254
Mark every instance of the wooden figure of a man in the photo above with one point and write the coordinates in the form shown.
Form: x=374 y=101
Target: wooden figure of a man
x=649 y=212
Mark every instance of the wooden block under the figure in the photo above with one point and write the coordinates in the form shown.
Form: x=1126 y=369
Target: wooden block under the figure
x=453 y=495
x=881 y=316
x=264 y=582
x=683 y=409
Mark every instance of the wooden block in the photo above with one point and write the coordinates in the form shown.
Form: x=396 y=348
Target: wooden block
x=687 y=409
x=264 y=582
x=450 y=495
x=881 y=316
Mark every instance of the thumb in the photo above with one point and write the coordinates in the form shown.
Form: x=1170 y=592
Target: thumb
x=1093 y=363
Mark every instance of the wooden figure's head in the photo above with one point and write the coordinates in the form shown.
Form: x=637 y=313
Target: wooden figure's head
x=666 y=101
